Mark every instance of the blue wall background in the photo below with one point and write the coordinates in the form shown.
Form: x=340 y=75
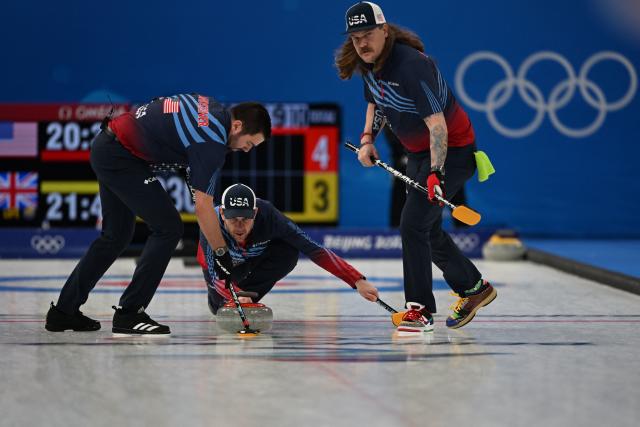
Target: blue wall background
x=282 y=50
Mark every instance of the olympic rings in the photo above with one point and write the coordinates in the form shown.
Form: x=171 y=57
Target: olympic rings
x=466 y=242
x=47 y=244
x=561 y=94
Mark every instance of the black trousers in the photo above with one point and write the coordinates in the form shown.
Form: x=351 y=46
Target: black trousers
x=423 y=239
x=278 y=260
x=128 y=189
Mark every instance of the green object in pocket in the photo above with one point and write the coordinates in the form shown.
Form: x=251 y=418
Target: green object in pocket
x=485 y=168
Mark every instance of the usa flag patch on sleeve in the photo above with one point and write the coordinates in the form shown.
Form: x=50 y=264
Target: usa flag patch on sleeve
x=170 y=106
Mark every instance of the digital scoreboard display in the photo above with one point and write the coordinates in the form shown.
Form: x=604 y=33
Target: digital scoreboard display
x=46 y=179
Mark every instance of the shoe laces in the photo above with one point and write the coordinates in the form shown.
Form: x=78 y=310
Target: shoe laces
x=459 y=304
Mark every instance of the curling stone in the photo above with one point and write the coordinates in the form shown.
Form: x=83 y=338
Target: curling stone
x=259 y=315
x=504 y=245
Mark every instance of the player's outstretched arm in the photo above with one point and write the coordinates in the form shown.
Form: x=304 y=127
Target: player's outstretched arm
x=288 y=231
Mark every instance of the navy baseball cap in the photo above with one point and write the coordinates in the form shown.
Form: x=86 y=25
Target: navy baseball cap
x=238 y=200
x=363 y=16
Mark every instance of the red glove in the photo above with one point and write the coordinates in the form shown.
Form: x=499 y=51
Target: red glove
x=435 y=185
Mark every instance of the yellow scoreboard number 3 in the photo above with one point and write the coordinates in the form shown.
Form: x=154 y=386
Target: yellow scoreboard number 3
x=320 y=178
x=321 y=195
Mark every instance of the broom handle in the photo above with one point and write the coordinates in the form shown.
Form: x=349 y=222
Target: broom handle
x=400 y=176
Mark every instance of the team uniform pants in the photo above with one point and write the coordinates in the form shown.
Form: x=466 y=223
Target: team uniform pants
x=128 y=189
x=423 y=240
x=278 y=260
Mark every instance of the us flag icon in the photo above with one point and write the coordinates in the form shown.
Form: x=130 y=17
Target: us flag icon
x=170 y=106
x=18 y=139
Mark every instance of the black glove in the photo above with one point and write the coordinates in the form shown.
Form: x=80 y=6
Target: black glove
x=240 y=272
x=223 y=265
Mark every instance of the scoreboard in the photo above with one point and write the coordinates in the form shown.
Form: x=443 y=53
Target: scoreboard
x=297 y=170
x=46 y=179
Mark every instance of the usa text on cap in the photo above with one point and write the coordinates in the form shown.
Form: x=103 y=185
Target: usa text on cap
x=364 y=16
x=238 y=200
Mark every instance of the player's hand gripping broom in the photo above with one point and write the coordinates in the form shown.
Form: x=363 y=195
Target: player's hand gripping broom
x=461 y=213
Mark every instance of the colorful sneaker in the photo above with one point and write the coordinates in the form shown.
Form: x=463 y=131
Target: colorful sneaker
x=415 y=320
x=468 y=304
x=59 y=321
x=137 y=323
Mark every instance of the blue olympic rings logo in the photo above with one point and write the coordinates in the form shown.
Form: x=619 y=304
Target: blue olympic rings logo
x=561 y=94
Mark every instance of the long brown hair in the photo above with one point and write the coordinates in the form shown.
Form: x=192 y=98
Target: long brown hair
x=348 y=61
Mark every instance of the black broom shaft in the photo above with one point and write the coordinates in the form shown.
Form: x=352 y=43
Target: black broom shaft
x=399 y=175
x=245 y=321
x=389 y=169
x=386 y=306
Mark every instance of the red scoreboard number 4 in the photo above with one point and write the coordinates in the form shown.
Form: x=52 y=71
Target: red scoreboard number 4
x=321 y=168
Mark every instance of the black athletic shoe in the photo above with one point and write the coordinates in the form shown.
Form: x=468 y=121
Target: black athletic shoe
x=59 y=321
x=137 y=323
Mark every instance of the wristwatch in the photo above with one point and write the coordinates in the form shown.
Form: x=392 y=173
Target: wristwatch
x=220 y=251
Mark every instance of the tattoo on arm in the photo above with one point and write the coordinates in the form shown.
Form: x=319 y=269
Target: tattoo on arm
x=439 y=139
x=438 y=146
